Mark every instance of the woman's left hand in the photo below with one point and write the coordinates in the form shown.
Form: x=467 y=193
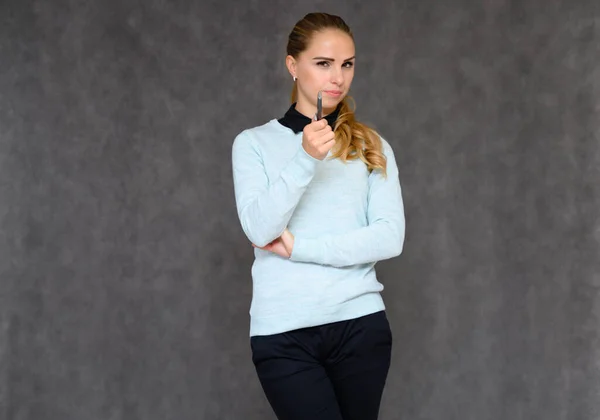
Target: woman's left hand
x=281 y=246
x=288 y=241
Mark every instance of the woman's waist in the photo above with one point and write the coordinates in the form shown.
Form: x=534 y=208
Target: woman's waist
x=279 y=277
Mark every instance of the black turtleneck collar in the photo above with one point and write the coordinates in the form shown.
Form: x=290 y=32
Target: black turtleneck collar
x=296 y=121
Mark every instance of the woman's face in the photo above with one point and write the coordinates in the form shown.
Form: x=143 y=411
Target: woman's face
x=327 y=65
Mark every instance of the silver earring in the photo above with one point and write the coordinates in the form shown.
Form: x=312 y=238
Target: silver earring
x=294 y=78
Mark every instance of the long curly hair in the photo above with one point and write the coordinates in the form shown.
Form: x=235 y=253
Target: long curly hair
x=354 y=140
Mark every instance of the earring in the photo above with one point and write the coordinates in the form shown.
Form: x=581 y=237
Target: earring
x=295 y=78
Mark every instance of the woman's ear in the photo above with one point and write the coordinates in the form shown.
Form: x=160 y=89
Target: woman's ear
x=290 y=63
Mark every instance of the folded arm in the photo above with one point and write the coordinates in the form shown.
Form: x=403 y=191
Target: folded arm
x=265 y=208
x=382 y=239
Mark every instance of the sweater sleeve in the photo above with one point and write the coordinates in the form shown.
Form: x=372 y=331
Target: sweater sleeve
x=265 y=206
x=382 y=239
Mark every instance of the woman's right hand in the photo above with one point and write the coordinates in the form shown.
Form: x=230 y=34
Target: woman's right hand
x=318 y=138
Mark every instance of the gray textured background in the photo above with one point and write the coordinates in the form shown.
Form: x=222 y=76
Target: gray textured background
x=125 y=277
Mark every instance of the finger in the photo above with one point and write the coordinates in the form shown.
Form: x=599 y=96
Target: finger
x=319 y=124
x=326 y=138
x=329 y=144
x=320 y=136
x=324 y=129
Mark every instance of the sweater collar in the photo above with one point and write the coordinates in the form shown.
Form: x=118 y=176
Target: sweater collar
x=296 y=121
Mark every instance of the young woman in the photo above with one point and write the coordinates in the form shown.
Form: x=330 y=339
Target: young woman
x=320 y=200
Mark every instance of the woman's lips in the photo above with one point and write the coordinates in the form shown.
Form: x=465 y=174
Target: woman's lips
x=333 y=92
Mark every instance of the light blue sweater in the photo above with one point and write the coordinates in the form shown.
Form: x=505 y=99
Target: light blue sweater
x=344 y=219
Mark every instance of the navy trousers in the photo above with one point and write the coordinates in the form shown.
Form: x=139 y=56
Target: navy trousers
x=335 y=371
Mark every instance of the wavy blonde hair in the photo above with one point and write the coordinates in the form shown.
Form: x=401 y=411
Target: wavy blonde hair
x=354 y=140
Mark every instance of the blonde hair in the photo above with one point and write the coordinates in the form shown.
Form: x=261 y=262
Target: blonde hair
x=354 y=140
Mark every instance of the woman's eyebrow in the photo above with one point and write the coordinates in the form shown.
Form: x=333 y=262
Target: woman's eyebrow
x=331 y=59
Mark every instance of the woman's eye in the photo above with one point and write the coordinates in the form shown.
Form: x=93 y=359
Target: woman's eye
x=347 y=64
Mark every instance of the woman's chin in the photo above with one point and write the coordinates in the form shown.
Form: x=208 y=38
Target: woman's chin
x=331 y=103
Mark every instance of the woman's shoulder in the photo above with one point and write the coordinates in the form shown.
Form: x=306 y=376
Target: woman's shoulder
x=260 y=134
x=270 y=127
x=386 y=147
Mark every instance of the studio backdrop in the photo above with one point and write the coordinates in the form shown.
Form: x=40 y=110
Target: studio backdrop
x=125 y=276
